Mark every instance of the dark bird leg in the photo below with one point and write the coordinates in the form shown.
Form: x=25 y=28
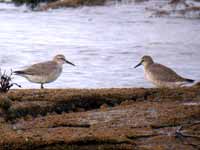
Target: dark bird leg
x=42 y=87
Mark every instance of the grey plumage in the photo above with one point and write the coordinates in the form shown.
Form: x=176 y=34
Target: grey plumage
x=160 y=75
x=164 y=73
x=41 y=69
x=44 y=72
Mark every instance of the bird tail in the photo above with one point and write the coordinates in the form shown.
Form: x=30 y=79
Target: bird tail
x=19 y=72
x=190 y=80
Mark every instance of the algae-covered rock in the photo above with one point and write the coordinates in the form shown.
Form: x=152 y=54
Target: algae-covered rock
x=5 y=102
x=31 y=3
x=58 y=3
x=118 y=119
x=71 y=3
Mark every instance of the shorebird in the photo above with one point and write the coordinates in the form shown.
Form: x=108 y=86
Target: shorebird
x=160 y=75
x=44 y=72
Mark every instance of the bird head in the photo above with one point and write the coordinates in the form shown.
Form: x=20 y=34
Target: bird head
x=60 y=59
x=145 y=61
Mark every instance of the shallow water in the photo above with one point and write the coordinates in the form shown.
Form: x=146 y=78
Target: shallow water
x=104 y=42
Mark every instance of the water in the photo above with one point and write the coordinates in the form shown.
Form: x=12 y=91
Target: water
x=104 y=42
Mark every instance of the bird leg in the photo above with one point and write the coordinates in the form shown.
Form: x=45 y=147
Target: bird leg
x=42 y=87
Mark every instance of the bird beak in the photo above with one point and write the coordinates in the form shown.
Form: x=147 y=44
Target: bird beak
x=68 y=62
x=138 y=64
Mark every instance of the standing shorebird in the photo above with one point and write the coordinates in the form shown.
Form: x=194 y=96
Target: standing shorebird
x=160 y=75
x=44 y=72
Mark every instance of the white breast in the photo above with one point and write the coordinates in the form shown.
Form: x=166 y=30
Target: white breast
x=45 y=78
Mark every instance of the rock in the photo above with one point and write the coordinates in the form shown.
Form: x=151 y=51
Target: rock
x=51 y=4
x=31 y=3
x=197 y=84
x=177 y=8
x=71 y=3
x=5 y=102
x=120 y=119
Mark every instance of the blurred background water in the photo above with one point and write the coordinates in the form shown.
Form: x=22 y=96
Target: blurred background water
x=104 y=42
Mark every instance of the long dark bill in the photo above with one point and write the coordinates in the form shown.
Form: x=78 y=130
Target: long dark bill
x=138 y=64
x=70 y=63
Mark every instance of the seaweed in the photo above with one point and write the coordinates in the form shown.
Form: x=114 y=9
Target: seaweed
x=6 y=82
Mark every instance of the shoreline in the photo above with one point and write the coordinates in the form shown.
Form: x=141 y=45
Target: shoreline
x=117 y=118
x=169 y=9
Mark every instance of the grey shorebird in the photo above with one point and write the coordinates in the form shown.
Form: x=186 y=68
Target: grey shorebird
x=44 y=72
x=160 y=75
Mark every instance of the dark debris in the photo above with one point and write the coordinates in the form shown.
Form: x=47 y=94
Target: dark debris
x=6 y=82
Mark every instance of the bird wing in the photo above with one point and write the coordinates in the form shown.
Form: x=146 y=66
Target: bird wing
x=162 y=72
x=41 y=68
